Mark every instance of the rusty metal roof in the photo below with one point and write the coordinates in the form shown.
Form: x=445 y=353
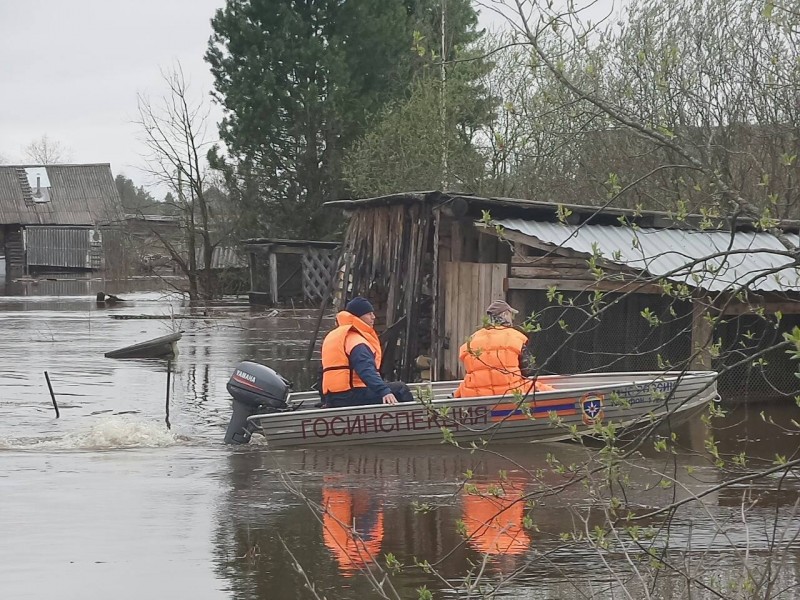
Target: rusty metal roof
x=78 y=195
x=712 y=260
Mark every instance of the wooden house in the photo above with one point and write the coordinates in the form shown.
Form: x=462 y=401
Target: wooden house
x=602 y=289
x=55 y=217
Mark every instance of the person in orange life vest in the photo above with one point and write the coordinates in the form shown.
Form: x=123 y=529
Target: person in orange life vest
x=493 y=358
x=351 y=359
x=352 y=527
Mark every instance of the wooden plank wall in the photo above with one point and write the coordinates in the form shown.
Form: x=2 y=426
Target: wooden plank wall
x=467 y=288
x=387 y=258
x=14 y=251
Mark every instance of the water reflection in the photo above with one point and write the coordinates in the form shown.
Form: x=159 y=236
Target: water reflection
x=352 y=525
x=341 y=511
x=493 y=517
x=77 y=285
x=762 y=430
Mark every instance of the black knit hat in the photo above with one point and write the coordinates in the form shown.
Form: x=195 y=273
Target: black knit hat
x=359 y=306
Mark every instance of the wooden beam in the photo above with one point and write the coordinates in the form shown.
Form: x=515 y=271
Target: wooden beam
x=273 y=276
x=569 y=262
x=574 y=285
x=741 y=308
x=434 y=369
x=260 y=249
x=531 y=242
x=521 y=254
x=547 y=261
x=281 y=249
x=550 y=272
x=253 y=263
x=702 y=334
x=551 y=249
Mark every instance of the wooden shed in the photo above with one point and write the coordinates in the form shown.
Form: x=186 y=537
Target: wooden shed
x=431 y=262
x=290 y=270
x=55 y=217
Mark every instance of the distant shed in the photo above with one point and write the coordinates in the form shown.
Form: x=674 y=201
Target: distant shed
x=54 y=217
x=290 y=270
x=432 y=262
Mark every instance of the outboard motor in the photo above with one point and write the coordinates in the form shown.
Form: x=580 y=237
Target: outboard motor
x=256 y=389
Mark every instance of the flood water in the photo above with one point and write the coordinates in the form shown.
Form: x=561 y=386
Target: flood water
x=131 y=494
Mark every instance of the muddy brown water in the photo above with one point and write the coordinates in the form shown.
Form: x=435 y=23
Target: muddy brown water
x=108 y=502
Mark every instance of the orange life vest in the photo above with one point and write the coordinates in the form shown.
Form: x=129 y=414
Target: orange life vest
x=337 y=376
x=494 y=523
x=353 y=545
x=491 y=359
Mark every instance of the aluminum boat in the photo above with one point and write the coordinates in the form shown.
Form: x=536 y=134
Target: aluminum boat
x=263 y=404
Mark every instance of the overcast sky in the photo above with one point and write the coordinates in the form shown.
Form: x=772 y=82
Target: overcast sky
x=72 y=70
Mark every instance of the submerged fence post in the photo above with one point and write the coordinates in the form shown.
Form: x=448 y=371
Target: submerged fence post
x=52 y=395
x=169 y=372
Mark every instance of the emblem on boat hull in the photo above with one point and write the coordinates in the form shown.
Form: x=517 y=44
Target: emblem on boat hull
x=592 y=408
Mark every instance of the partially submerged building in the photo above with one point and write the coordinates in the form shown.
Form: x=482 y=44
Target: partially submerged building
x=603 y=289
x=55 y=217
x=283 y=271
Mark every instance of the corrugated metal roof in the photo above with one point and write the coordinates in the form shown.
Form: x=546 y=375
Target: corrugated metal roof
x=78 y=195
x=226 y=257
x=671 y=253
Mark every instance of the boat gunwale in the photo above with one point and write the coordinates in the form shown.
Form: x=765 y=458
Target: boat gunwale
x=282 y=415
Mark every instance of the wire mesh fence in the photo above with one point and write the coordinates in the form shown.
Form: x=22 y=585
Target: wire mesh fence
x=652 y=333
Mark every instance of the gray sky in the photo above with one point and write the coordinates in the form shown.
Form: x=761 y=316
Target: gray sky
x=72 y=70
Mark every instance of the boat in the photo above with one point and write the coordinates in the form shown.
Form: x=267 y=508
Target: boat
x=263 y=404
x=160 y=347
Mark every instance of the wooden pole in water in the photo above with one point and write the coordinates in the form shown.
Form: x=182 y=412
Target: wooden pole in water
x=169 y=372
x=52 y=395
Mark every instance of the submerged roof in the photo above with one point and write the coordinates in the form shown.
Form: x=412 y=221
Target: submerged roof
x=712 y=260
x=58 y=195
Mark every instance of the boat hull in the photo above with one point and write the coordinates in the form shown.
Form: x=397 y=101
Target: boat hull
x=160 y=347
x=576 y=405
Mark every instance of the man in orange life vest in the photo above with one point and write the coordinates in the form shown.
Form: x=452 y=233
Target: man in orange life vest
x=493 y=358
x=351 y=359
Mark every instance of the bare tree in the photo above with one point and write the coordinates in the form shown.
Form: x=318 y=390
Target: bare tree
x=666 y=96
x=175 y=133
x=46 y=151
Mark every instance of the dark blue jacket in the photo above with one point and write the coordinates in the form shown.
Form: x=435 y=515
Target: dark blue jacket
x=362 y=361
